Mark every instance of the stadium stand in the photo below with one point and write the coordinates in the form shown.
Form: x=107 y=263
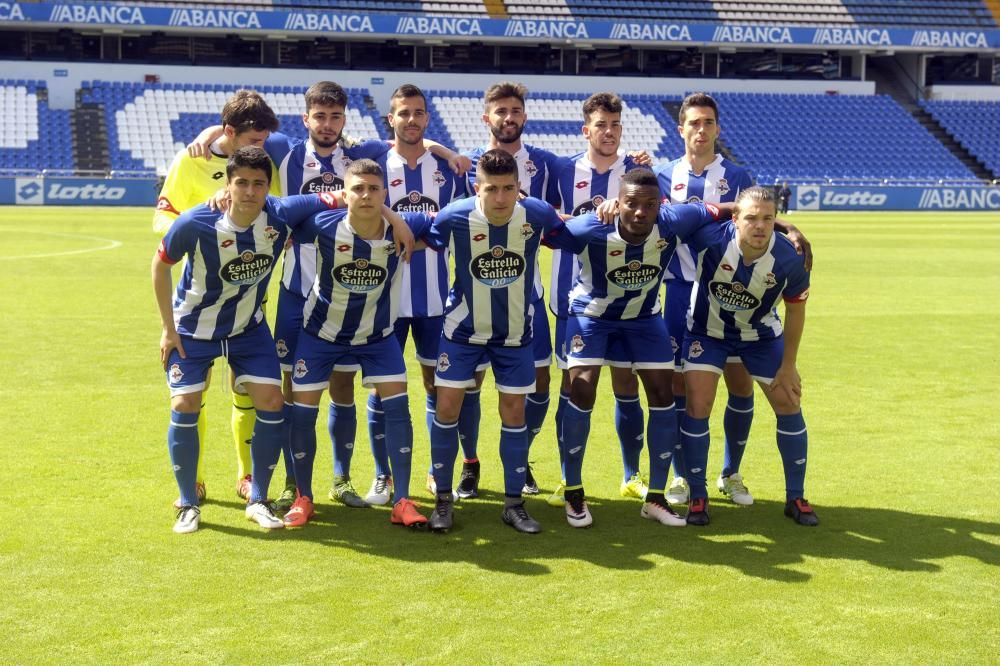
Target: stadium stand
x=32 y=133
x=973 y=124
x=148 y=123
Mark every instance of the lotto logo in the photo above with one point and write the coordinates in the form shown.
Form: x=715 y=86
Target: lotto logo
x=807 y=197
x=28 y=191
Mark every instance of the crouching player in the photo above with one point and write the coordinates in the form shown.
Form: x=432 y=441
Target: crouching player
x=216 y=312
x=737 y=286
x=350 y=313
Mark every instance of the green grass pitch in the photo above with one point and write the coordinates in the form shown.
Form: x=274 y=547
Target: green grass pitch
x=900 y=368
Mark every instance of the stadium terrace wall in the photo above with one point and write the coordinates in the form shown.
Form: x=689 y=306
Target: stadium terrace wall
x=839 y=197
x=138 y=17
x=68 y=191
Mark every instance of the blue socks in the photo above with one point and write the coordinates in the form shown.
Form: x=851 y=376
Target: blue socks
x=629 y=426
x=399 y=442
x=680 y=407
x=694 y=437
x=468 y=424
x=182 y=441
x=304 y=446
x=793 y=441
x=286 y=444
x=736 y=424
x=576 y=430
x=444 y=450
x=560 y=411
x=430 y=409
x=376 y=435
x=536 y=406
x=268 y=432
x=342 y=423
x=662 y=438
x=514 y=456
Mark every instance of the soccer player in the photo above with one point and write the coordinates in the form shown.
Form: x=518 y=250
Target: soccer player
x=614 y=309
x=582 y=183
x=247 y=120
x=701 y=174
x=417 y=181
x=217 y=312
x=739 y=281
x=494 y=240
x=351 y=313
x=504 y=115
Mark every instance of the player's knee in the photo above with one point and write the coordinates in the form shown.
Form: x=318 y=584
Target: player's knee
x=542 y=380
x=624 y=381
x=583 y=394
x=699 y=407
x=188 y=403
x=660 y=396
x=269 y=400
x=512 y=409
x=342 y=388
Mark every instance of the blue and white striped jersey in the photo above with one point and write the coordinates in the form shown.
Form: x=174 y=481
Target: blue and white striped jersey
x=302 y=171
x=733 y=301
x=620 y=280
x=428 y=188
x=490 y=301
x=720 y=182
x=228 y=268
x=581 y=190
x=355 y=298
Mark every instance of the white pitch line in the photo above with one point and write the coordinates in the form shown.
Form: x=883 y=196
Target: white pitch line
x=111 y=245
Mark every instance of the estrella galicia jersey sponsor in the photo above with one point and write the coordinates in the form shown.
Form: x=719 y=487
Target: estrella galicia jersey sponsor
x=581 y=190
x=490 y=301
x=427 y=188
x=301 y=170
x=355 y=297
x=733 y=301
x=720 y=182
x=620 y=280
x=228 y=267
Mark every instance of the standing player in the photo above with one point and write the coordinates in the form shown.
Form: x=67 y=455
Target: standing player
x=351 y=312
x=582 y=184
x=614 y=310
x=505 y=117
x=494 y=240
x=246 y=121
x=739 y=281
x=217 y=312
x=416 y=181
x=704 y=175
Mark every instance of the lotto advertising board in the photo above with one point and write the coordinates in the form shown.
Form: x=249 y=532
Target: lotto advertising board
x=840 y=197
x=42 y=191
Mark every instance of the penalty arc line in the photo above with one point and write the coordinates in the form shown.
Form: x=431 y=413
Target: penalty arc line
x=111 y=245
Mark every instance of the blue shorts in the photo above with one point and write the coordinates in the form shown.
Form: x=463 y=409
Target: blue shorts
x=762 y=358
x=541 y=338
x=316 y=358
x=616 y=356
x=458 y=362
x=641 y=343
x=251 y=357
x=677 y=300
x=426 y=334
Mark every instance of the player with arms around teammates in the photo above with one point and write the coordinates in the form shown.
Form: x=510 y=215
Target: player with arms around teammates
x=217 y=312
x=247 y=120
x=739 y=281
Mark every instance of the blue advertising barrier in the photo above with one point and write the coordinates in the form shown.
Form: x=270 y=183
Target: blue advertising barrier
x=941 y=197
x=114 y=15
x=66 y=191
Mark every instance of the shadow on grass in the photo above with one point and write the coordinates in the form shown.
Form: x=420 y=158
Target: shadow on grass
x=758 y=541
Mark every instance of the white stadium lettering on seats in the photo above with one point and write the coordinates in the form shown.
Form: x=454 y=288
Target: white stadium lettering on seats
x=328 y=22
x=852 y=36
x=967 y=39
x=651 y=32
x=757 y=34
x=89 y=192
x=558 y=29
x=214 y=18
x=116 y=14
x=10 y=12
x=422 y=25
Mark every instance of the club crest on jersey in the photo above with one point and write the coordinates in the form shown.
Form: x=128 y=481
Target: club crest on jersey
x=732 y=296
x=661 y=243
x=438 y=178
x=300 y=369
x=360 y=275
x=673 y=344
x=281 y=348
x=443 y=363
x=526 y=231
x=722 y=186
x=497 y=268
x=530 y=168
x=576 y=344
x=389 y=248
x=634 y=275
x=695 y=349
x=248 y=268
x=769 y=280
x=175 y=373
x=271 y=234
